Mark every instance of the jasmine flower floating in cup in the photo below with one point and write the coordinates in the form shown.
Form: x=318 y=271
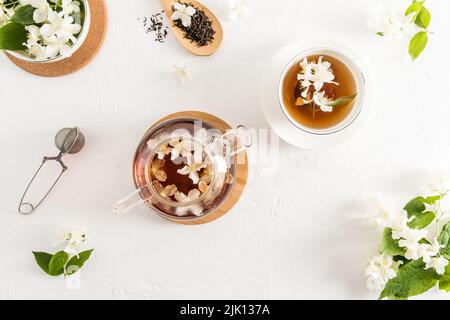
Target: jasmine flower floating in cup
x=181 y=170
x=319 y=91
x=41 y=29
x=414 y=251
x=192 y=169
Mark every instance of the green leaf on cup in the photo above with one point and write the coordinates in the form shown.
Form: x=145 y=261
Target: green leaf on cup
x=418 y=44
x=342 y=101
x=13 y=36
x=57 y=263
x=24 y=15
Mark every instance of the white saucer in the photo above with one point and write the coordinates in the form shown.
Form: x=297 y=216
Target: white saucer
x=277 y=119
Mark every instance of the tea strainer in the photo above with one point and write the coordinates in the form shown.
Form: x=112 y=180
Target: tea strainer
x=68 y=141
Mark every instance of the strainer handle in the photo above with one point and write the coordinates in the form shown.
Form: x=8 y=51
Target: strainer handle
x=26 y=208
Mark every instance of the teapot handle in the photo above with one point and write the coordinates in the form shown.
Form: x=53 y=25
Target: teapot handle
x=244 y=136
x=132 y=200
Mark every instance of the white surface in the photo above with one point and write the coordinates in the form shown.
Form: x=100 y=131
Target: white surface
x=303 y=233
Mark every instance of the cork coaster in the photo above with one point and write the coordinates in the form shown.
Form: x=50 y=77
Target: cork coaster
x=84 y=55
x=240 y=180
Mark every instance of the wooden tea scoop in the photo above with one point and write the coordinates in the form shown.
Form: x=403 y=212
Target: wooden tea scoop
x=193 y=47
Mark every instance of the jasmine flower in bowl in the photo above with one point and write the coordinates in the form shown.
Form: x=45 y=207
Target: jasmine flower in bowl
x=43 y=30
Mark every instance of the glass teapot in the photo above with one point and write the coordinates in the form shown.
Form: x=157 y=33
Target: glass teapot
x=184 y=168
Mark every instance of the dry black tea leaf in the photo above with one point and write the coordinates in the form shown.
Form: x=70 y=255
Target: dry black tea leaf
x=200 y=31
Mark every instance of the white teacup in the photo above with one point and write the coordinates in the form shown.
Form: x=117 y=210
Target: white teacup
x=344 y=55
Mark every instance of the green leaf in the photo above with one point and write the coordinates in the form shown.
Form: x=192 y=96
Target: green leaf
x=417 y=205
x=43 y=260
x=423 y=18
x=342 y=100
x=13 y=36
x=418 y=44
x=415 y=7
x=24 y=15
x=390 y=246
x=444 y=240
x=414 y=207
x=57 y=263
x=402 y=259
x=432 y=199
x=76 y=263
x=411 y=280
x=444 y=283
x=422 y=220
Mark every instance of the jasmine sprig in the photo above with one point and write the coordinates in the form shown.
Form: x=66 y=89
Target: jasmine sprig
x=68 y=261
x=390 y=24
x=61 y=263
x=411 y=258
x=421 y=17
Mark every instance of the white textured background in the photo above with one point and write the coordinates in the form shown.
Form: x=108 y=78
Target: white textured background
x=303 y=233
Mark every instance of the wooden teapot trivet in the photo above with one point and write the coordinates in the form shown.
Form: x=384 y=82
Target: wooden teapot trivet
x=80 y=58
x=240 y=179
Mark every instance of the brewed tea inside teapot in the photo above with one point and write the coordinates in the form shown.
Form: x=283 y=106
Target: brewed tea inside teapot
x=183 y=169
